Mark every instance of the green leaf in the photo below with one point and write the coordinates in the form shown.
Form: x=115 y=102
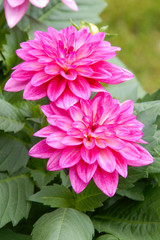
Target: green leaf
x=7 y=234
x=42 y=178
x=134 y=174
x=151 y=97
x=13 y=154
x=135 y=193
x=126 y=90
x=65 y=179
x=54 y=196
x=107 y=237
x=14 y=192
x=128 y=219
x=64 y=223
x=90 y=198
x=13 y=39
x=57 y=15
x=10 y=118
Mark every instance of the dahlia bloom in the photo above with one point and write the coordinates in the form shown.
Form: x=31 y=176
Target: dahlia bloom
x=95 y=139
x=66 y=66
x=15 y=9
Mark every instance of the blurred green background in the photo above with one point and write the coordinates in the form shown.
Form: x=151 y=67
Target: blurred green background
x=137 y=24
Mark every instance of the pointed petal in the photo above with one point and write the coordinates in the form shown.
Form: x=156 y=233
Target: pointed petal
x=71 y=4
x=54 y=140
x=66 y=100
x=56 y=88
x=130 y=152
x=60 y=121
x=80 y=87
x=40 y=78
x=121 y=165
x=84 y=71
x=144 y=159
x=71 y=141
x=35 y=93
x=41 y=150
x=89 y=156
x=77 y=184
x=70 y=157
x=106 y=160
x=14 y=86
x=115 y=143
x=86 y=171
x=76 y=113
x=106 y=182
x=14 y=15
x=89 y=142
x=45 y=132
x=39 y=3
x=53 y=162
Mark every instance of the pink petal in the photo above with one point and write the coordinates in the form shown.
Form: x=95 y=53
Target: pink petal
x=56 y=88
x=77 y=184
x=70 y=157
x=86 y=171
x=86 y=107
x=35 y=93
x=66 y=100
x=45 y=132
x=14 y=15
x=53 y=162
x=40 y=78
x=39 y=3
x=130 y=152
x=76 y=113
x=60 y=121
x=14 y=86
x=115 y=143
x=70 y=75
x=52 y=69
x=54 y=140
x=47 y=110
x=89 y=156
x=144 y=159
x=121 y=165
x=15 y=3
x=71 y=4
x=89 y=142
x=84 y=71
x=127 y=107
x=71 y=141
x=41 y=150
x=106 y=160
x=100 y=143
x=95 y=86
x=80 y=87
x=32 y=66
x=106 y=182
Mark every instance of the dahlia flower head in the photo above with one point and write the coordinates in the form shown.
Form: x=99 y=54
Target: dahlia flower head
x=96 y=139
x=66 y=66
x=16 y=9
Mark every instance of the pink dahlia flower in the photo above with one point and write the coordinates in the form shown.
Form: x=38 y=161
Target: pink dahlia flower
x=95 y=139
x=66 y=66
x=15 y=9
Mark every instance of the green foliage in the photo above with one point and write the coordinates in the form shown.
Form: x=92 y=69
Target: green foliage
x=13 y=39
x=7 y=234
x=14 y=192
x=128 y=219
x=57 y=15
x=90 y=198
x=42 y=178
x=64 y=223
x=13 y=154
x=107 y=237
x=54 y=196
x=11 y=119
